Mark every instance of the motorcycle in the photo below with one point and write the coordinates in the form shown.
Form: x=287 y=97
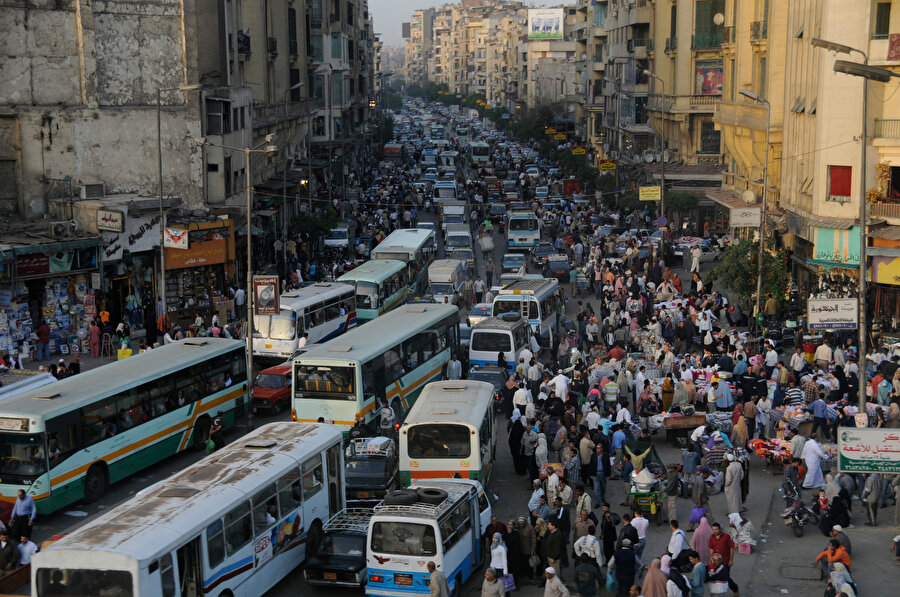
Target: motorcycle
x=796 y=513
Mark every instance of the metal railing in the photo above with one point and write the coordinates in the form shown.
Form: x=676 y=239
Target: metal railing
x=671 y=44
x=728 y=35
x=880 y=209
x=708 y=39
x=758 y=30
x=887 y=127
x=698 y=102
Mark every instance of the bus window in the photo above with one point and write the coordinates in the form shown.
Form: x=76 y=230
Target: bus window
x=348 y=305
x=289 y=492
x=215 y=544
x=439 y=440
x=483 y=503
x=237 y=528
x=393 y=366
x=265 y=509
x=167 y=575
x=403 y=538
x=333 y=310
x=312 y=476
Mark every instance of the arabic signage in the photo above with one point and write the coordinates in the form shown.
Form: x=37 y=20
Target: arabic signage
x=265 y=295
x=607 y=164
x=650 y=193
x=745 y=217
x=863 y=450
x=832 y=314
x=560 y=136
x=111 y=221
x=545 y=23
x=201 y=252
x=549 y=130
x=579 y=150
x=175 y=238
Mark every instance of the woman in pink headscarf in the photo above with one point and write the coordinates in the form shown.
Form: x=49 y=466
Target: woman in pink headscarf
x=700 y=540
x=655 y=581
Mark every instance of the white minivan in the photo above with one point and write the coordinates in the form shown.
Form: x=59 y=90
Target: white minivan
x=445 y=279
x=338 y=237
x=508 y=333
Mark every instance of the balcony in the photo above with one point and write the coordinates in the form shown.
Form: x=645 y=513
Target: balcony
x=883 y=209
x=671 y=44
x=706 y=41
x=758 y=31
x=728 y=36
x=703 y=103
x=887 y=128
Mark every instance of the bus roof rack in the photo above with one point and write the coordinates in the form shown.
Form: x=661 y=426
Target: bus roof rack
x=350 y=519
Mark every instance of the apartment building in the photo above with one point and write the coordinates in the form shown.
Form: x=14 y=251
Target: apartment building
x=418 y=45
x=591 y=50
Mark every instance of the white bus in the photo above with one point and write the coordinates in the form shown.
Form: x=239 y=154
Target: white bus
x=479 y=153
x=523 y=230
x=322 y=310
x=391 y=358
x=535 y=300
x=439 y=521
x=234 y=523
x=445 y=279
x=413 y=246
x=509 y=334
x=450 y=431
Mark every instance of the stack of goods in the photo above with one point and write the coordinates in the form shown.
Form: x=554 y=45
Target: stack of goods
x=773 y=451
x=16 y=326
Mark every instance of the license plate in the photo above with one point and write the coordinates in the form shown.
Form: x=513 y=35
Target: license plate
x=330 y=575
x=268 y=346
x=362 y=494
x=404 y=580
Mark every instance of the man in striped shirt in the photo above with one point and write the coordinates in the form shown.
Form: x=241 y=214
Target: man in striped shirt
x=793 y=396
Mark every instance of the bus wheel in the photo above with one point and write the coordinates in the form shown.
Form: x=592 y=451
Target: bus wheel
x=94 y=483
x=201 y=433
x=313 y=539
x=431 y=495
x=457 y=586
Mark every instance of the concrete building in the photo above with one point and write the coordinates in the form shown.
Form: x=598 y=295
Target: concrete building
x=418 y=45
x=592 y=52
x=547 y=68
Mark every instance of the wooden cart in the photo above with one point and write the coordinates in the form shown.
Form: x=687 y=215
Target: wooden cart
x=678 y=429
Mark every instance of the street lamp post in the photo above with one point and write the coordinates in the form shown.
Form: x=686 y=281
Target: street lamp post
x=882 y=75
x=162 y=212
x=269 y=149
x=284 y=185
x=762 y=224
x=662 y=158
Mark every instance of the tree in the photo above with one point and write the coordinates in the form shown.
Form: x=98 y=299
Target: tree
x=316 y=224
x=738 y=269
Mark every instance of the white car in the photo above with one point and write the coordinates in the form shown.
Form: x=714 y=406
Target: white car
x=708 y=254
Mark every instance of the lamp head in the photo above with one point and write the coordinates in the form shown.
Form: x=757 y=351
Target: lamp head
x=749 y=94
x=270 y=150
x=718 y=19
x=193 y=87
x=874 y=73
x=271 y=137
x=200 y=140
x=647 y=73
x=818 y=42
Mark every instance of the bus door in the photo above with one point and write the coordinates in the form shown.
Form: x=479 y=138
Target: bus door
x=478 y=546
x=335 y=487
x=189 y=569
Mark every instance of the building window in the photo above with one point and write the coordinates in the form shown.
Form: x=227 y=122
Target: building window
x=706 y=33
x=318 y=126
x=839 y=181
x=292 y=32
x=228 y=175
x=336 y=47
x=315 y=43
x=295 y=78
x=882 y=20
x=709 y=137
x=315 y=11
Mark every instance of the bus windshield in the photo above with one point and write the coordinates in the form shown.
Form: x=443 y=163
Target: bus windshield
x=437 y=288
x=320 y=381
x=523 y=224
x=367 y=295
x=439 y=440
x=403 y=538
x=57 y=582
x=515 y=306
x=484 y=341
x=22 y=455
x=277 y=327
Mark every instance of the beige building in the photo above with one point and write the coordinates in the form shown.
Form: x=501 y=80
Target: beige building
x=418 y=45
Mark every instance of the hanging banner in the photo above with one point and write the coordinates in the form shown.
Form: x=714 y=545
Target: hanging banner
x=833 y=314
x=560 y=136
x=607 y=164
x=579 y=150
x=865 y=450
x=208 y=252
x=745 y=217
x=265 y=295
x=650 y=193
x=175 y=238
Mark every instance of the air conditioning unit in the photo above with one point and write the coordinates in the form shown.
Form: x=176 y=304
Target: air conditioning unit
x=63 y=229
x=92 y=191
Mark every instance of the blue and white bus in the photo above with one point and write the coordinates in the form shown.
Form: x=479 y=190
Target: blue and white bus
x=434 y=521
x=535 y=300
x=523 y=230
x=479 y=153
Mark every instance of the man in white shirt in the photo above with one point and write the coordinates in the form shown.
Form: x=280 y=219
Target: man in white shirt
x=303 y=341
x=560 y=385
x=678 y=541
x=240 y=302
x=454 y=368
x=798 y=362
x=520 y=398
x=592 y=420
x=640 y=523
x=623 y=417
x=823 y=356
x=771 y=360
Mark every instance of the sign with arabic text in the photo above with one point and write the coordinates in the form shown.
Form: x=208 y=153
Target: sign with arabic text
x=866 y=450
x=265 y=295
x=111 y=221
x=176 y=238
x=833 y=314
x=650 y=193
x=607 y=164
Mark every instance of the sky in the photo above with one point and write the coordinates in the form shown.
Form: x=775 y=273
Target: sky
x=387 y=15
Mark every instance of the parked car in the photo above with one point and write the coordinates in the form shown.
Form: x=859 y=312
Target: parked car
x=340 y=559
x=684 y=251
x=540 y=252
x=272 y=389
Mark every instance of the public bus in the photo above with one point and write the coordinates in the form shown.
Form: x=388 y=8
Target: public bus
x=322 y=310
x=413 y=246
x=509 y=334
x=437 y=131
x=462 y=135
x=450 y=431
x=479 y=153
x=444 y=190
x=234 y=523
x=441 y=522
x=535 y=300
x=390 y=358
x=449 y=163
x=523 y=229
x=70 y=440
x=381 y=285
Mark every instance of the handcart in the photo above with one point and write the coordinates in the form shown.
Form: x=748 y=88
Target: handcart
x=644 y=490
x=582 y=284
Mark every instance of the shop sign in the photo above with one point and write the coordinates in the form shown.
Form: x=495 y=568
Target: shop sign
x=650 y=193
x=886 y=270
x=113 y=248
x=579 y=150
x=833 y=314
x=607 y=164
x=549 y=130
x=265 y=295
x=207 y=252
x=110 y=221
x=745 y=217
x=560 y=136
x=866 y=450
x=175 y=238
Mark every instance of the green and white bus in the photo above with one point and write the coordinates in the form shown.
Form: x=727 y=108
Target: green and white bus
x=381 y=285
x=391 y=357
x=413 y=246
x=70 y=440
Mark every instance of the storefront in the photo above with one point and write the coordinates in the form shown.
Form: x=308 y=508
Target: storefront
x=884 y=273
x=197 y=277
x=53 y=281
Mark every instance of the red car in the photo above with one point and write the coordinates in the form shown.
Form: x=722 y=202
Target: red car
x=272 y=389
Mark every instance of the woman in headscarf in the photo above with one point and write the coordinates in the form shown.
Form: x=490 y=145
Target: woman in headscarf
x=737 y=413
x=740 y=434
x=893 y=419
x=499 y=555
x=516 y=431
x=513 y=549
x=540 y=453
x=506 y=393
x=655 y=581
x=607 y=533
x=540 y=536
x=700 y=540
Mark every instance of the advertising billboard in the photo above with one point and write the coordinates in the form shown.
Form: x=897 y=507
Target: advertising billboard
x=545 y=23
x=866 y=450
x=708 y=74
x=833 y=313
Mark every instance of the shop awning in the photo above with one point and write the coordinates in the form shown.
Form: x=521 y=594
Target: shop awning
x=60 y=245
x=830 y=264
x=885 y=232
x=242 y=230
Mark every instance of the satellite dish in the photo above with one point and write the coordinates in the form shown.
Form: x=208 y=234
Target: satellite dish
x=749 y=196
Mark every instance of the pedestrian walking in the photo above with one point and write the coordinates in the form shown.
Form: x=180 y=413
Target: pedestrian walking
x=554 y=586
x=21 y=519
x=437 y=583
x=491 y=587
x=587 y=577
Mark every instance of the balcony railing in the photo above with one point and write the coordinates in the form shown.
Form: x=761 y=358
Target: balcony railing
x=671 y=44
x=728 y=35
x=887 y=128
x=703 y=102
x=758 y=31
x=709 y=39
x=881 y=209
